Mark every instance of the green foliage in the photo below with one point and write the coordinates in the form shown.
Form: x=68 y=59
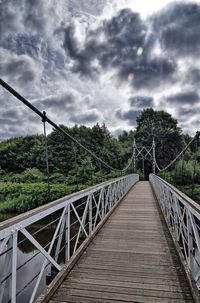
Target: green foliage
x=57 y=178
x=141 y=175
x=82 y=173
x=164 y=129
x=32 y=175
x=21 y=153
x=192 y=191
x=187 y=172
x=23 y=166
x=19 y=197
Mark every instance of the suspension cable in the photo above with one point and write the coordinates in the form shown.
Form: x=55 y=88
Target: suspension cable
x=194 y=167
x=178 y=156
x=57 y=127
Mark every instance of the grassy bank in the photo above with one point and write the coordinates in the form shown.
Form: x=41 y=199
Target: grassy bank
x=20 y=197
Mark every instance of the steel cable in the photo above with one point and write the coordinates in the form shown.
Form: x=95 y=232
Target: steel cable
x=61 y=130
x=176 y=158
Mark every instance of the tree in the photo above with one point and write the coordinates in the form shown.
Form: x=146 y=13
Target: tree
x=164 y=128
x=82 y=173
x=20 y=153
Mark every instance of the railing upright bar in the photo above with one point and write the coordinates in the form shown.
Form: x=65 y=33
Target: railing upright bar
x=67 y=235
x=14 y=267
x=90 y=214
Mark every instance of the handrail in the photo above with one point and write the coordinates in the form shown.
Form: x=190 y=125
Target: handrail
x=183 y=217
x=46 y=208
x=75 y=221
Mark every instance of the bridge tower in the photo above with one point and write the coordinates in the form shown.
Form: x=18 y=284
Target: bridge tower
x=144 y=153
x=153 y=156
x=134 y=156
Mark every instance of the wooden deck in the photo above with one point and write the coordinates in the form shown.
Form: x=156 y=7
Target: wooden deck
x=132 y=259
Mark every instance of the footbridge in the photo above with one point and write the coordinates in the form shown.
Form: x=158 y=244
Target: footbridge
x=123 y=240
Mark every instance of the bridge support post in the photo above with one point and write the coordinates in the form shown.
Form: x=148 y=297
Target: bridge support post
x=90 y=214
x=67 y=235
x=143 y=166
x=134 y=156
x=14 y=267
x=46 y=155
x=190 y=243
x=154 y=157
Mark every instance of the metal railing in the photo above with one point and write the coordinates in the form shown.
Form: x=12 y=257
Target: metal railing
x=183 y=218
x=54 y=232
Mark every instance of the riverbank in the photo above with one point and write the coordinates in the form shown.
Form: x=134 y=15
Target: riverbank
x=21 y=197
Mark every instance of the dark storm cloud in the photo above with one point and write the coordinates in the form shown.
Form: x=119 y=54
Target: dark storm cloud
x=20 y=16
x=186 y=112
x=36 y=15
x=86 y=118
x=12 y=128
x=62 y=103
x=178 y=28
x=118 y=42
x=149 y=73
x=9 y=20
x=193 y=76
x=21 y=68
x=82 y=60
x=188 y=97
x=24 y=44
x=115 y=45
x=141 y=101
x=11 y=114
x=129 y=115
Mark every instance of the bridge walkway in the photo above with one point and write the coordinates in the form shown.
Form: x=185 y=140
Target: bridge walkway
x=132 y=258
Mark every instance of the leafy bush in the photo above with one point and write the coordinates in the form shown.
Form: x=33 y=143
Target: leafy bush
x=192 y=191
x=185 y=173
x=32 y=175
x=57 y=178
x=20 y=197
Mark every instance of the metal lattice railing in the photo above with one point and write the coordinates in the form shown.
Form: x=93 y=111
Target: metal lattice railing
x=54 y=232
x=183 y=218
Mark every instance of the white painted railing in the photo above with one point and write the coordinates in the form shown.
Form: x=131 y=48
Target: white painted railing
x=71 y=219
x=183 y=218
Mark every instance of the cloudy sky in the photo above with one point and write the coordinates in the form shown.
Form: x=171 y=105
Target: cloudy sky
x=89 y=61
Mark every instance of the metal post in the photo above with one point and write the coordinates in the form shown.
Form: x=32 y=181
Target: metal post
x=14 y=267
x=46 y=154
x=154 y=157
x=67 y=235
x=143 y=166
x=90 y=214
x=134 y=156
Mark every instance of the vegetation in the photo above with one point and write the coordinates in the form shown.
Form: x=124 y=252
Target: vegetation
x=23 y=180
x=19 y=197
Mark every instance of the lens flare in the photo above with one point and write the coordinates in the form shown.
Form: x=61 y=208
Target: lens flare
x=139 y=51
x=130 y=77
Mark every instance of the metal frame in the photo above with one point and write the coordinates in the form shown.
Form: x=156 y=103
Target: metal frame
x=144 y=153
x=98 y=200
x=183 y=217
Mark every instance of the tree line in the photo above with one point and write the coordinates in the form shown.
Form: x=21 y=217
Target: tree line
x=22 y=159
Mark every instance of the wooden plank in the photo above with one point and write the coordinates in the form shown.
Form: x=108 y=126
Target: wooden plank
x=119 y=297
x=123 y=276
x=124 y=284
x=132 y=259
